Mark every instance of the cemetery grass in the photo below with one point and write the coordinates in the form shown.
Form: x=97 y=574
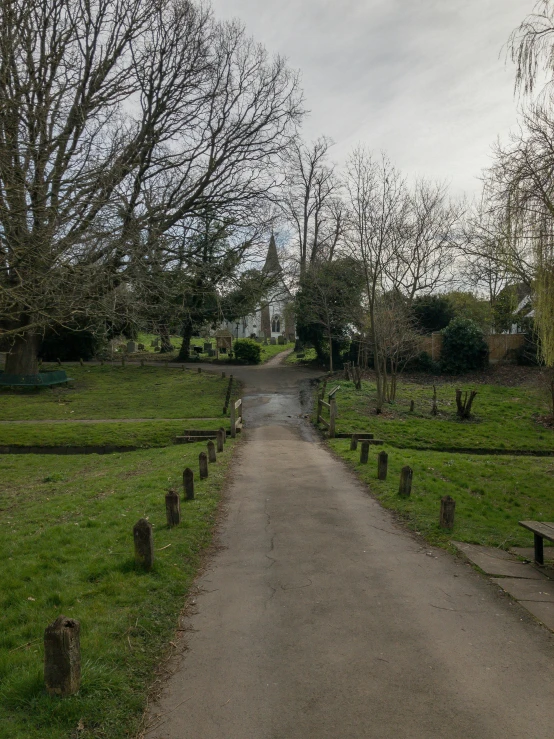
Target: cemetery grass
x=492 y=492
x=269 y=351
x=112 y=392
x=310 y=357
x=68 y=548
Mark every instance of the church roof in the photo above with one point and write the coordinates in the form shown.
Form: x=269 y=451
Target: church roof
x=272 y=259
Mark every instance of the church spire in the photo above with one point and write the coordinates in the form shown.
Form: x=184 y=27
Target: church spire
x=272 y=260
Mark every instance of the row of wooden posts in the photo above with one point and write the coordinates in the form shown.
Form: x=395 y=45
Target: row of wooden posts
x=448 y=504
x=62 y=650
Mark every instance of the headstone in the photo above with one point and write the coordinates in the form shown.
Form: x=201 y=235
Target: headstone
x=211 y=452
x=62 y=657
x=364 y=452
x=188 y=483
x=353 y=442
x=207 y=347
x=131 y=347
x=144 y=543
x=281 y=340
x=203 y=462
x=273 y=341
x=211 y=352
x=172 y=508
x=382 y=465
x=448 y=508
x=405 y=481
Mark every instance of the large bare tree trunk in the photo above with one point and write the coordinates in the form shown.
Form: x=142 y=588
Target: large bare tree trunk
x=23 y=355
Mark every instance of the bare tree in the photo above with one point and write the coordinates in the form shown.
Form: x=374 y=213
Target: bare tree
x=117 y=120
x=311 y=202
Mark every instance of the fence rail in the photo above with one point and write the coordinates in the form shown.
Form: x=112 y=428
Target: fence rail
x=332 y=408
x=236 y=417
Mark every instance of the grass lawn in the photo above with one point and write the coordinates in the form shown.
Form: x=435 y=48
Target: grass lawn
x=69 y=549
x=492 y=492
x=108 y=391
x=68 y=543
x=504 y=417
x=309 y=357
x=270 y=351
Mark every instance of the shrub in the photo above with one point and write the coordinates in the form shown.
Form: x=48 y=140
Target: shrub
x=69 y=346
x=248 y=351
x=463 y=347
x=423 y=362
x=432 y=312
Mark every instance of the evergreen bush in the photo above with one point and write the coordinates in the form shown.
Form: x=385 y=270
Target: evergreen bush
x=248 y=351
x=463 y=347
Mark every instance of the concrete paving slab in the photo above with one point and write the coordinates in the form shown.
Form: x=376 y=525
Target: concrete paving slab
x=497 y=562
x=544 y=612
x=519 y=589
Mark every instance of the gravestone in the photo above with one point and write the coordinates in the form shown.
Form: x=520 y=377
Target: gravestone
x=131 y=347
x=207 y=346
x=273 y=341
x=281 y=340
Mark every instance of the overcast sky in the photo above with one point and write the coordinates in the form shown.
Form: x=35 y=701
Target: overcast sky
x=425 y=80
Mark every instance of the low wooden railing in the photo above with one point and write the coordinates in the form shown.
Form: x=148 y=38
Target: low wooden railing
x=236 y=417
x=332 y=407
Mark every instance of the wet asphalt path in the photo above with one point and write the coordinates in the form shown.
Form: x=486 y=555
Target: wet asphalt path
x=321 y=617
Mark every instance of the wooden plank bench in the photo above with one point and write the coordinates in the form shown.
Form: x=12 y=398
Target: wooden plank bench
x=541 y=530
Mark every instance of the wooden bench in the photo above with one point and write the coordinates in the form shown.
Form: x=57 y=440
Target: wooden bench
x=541 y=530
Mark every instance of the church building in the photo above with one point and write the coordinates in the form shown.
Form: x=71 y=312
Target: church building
x=275 y=316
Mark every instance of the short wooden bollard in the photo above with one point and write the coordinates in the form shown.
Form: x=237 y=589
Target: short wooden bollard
x=123 y=361
x=220 y=441
x=364 y=452
x=211 y=452
x=144 y=543
x=405 y=481
x=353 y=443
x=62 y=657
x=223 y=433
x=382 y=465
x=223 y=375
x=448 y=508
x=142 y=362
x=203 y=461
x=412 y=406
x=172 y=508
x=199 y=370
x=188 y=483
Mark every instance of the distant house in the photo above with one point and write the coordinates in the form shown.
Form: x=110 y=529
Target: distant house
x=274 y=317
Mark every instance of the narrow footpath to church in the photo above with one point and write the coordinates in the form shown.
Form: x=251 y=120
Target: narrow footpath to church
x=321 y=617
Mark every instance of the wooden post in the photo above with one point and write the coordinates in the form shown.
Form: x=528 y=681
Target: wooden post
x=412 y=406
x=382 y=465
x=364 y=452
x=223 y=375
x=142 y=362
x=188 y=483
x=353 y=442
x=332 y=418
x=211 y=452
x=62 y=657
x=448 y=507
x=123 y=361
x=319 y=409
x=405 y=481
x=224 y=434
x=144 y=543
x=203 y=461
x=172 y=508
x=220 y=442
x=233 y=420
x=81 y=362
x=199 y=370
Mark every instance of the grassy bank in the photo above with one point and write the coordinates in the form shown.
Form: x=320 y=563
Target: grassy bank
x=68 y=544
x=492 y=492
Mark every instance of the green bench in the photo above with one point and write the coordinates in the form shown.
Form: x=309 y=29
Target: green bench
x=42 y=379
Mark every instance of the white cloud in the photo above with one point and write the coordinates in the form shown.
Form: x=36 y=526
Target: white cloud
x=425 y=80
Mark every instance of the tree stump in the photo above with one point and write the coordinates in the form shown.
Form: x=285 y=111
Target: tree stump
x=172 y=508
x=62 y=657
x=405 y=481
x=144 y=543
x=211 y=452
x=464 y=406
x=219 y=440
x=364 y=452
x=188 y=483
x=353 y=442
x=203 y=461
x=448 y=508
x=382 y=465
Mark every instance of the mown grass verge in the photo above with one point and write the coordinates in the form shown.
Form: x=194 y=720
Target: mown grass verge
x=68 y=548
x=492 y=492
x=109 y=392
